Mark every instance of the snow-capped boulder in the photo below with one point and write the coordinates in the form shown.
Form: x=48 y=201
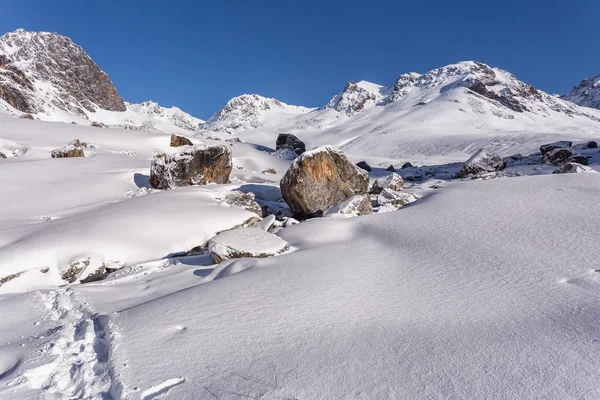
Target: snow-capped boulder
x=482 y=161
x=71 y=149
x=392 y=181
x=291 y=142
x=389 y=197
x=178 y=141
x=353 y=207
x=574 y=168
x=563 y=144
x=245 y=201
x=319 y=179
x=195 y=165
x=364 y=165
x=245 y=242
x=557 y=156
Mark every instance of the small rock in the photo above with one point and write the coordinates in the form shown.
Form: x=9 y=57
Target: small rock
x=364 y=165
x=390 y=197
x=2 y=155
x=353 y=207
x=407 y=165
x=557 y=156
x=26 y=116
x=574 y=168
x=245 y=242
x=289 y=141
x=178 y=141
x=592 y=144
x=482 y=161
x=98 y=124
x=545 y=148
x=578 y=159
x=391 y=168
x=392 y=181
x=72 y=149
x=270 y=171
x=195 y=165
x=242 y=200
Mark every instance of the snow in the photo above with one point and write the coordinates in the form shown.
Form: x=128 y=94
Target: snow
x=245 y=242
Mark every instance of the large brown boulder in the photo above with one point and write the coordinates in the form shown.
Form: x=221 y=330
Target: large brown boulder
x=196 y=165
x=178 y=141
x=319 y=179
x=71 y=149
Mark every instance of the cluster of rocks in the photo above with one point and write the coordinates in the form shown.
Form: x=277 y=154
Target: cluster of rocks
x=72 y=149
x=560 y=153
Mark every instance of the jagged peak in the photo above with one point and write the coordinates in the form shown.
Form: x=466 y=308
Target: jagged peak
x=586 y=94
x=356 y=96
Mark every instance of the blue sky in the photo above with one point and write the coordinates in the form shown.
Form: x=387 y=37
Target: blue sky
x=199 y=54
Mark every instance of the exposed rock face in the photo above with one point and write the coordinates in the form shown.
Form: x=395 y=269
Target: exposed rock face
x=545 y=148
x=353 y=207
x=291 y=142
x=557 y=156
x=392 y=181
x=74 y=81
x=579 y=159
x=72 y=149
x=482 y=162
x=586 y=94
x=393 y=198
x=178 y=141
x=319 y=179
x=357 y=96
x=574 y=168
x=195 y=165
x=242 y=200
x=364 y=165
x=245 y=242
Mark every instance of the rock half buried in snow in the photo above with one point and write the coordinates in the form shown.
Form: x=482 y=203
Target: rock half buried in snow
x=545 y=148
x=319 y=179
x=178 y=141
x=245 y=242
x=389 y=197
x=364 y=165
x=574 y=168
x=196 y=165
x=245 y=201
x=353 y=207
x=392 y=181
x=289 y=141
x=557 y=156
x=481 y=162
x=71 y=149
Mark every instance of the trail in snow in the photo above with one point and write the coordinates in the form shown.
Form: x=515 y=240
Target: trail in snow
x=81 y=367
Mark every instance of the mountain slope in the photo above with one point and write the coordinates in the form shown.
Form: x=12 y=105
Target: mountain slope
x=586 y=94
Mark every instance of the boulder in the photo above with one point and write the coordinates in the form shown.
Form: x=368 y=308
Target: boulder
x=242 y=200
x=389 y=197
x=364 y=165
x=319 y=179
x=482 y=161
x=2 y=155
x=574 y=168
x=407 y=165
x=178 y=141
x=391 y=168
x=98 y=124
x=563 y=144
x=26 y=116
x=557 y=156
x=270 y=171
x=353 y=207
x=245 y=242
x=578 y=159
x=392 y=181
x=71 y=149
x=291 y=142
x=592 y=144
x=195 y=165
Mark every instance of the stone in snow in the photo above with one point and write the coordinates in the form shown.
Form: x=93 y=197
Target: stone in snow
x=72 y=149
x=407 y=165
x=195 y=165
x=245 y=201
x=389 y=197
x=178 y=141
x=592 y=144
x=557 y=156
x=563 y=144
x=482 y=161
x=392 y=181
x=245 y=242
x=364 y=165
x=289 y=141
x=574 y=168
x=319 y=179
x=391 y=168
x=353 y=207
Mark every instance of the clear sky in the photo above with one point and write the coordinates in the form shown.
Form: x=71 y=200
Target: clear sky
x=198 y=54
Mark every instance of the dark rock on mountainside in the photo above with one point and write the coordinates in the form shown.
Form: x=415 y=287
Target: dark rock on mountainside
x=592 y=144
x=178 y=141
x=557 y=156
x=291 y=142
x=407 y=165
x=482 y=161
x=196 y=165
x=364 y=165
x=391 y=168
x=320 y=179
x=545 y=148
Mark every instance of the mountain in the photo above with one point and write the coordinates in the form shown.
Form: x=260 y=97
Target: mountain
x=586 y=94
x=49 y=76
x=444 y=112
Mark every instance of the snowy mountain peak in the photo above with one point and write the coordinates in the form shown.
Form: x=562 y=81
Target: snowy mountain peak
x=62 y=75
x=172 y=115
x=357 y=96
x=586 y=94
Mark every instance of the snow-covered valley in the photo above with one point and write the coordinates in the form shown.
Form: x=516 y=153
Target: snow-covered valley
x=433 y=269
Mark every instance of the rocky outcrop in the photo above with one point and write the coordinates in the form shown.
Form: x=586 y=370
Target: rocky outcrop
x=195 y=165
x=592 y=144
x=319 y=179
x=557 y=156
x=546 y=148
x=391 y=168
x=364 y=165
x=178 y=141
x=481 y=162
x=407 y=165
x=26 y=116
x=244 y=243
x=392 y=181
x=353 y=207
x=97 y=124
x=574 y=168
x=71 y=149
x=287 y=141
x=389 y=197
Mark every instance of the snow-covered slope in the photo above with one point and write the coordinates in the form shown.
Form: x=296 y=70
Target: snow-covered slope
x=586 y=94
x=448 y=112
x=47 y=75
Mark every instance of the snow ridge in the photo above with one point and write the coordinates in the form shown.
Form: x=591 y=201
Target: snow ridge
x=586 y=94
